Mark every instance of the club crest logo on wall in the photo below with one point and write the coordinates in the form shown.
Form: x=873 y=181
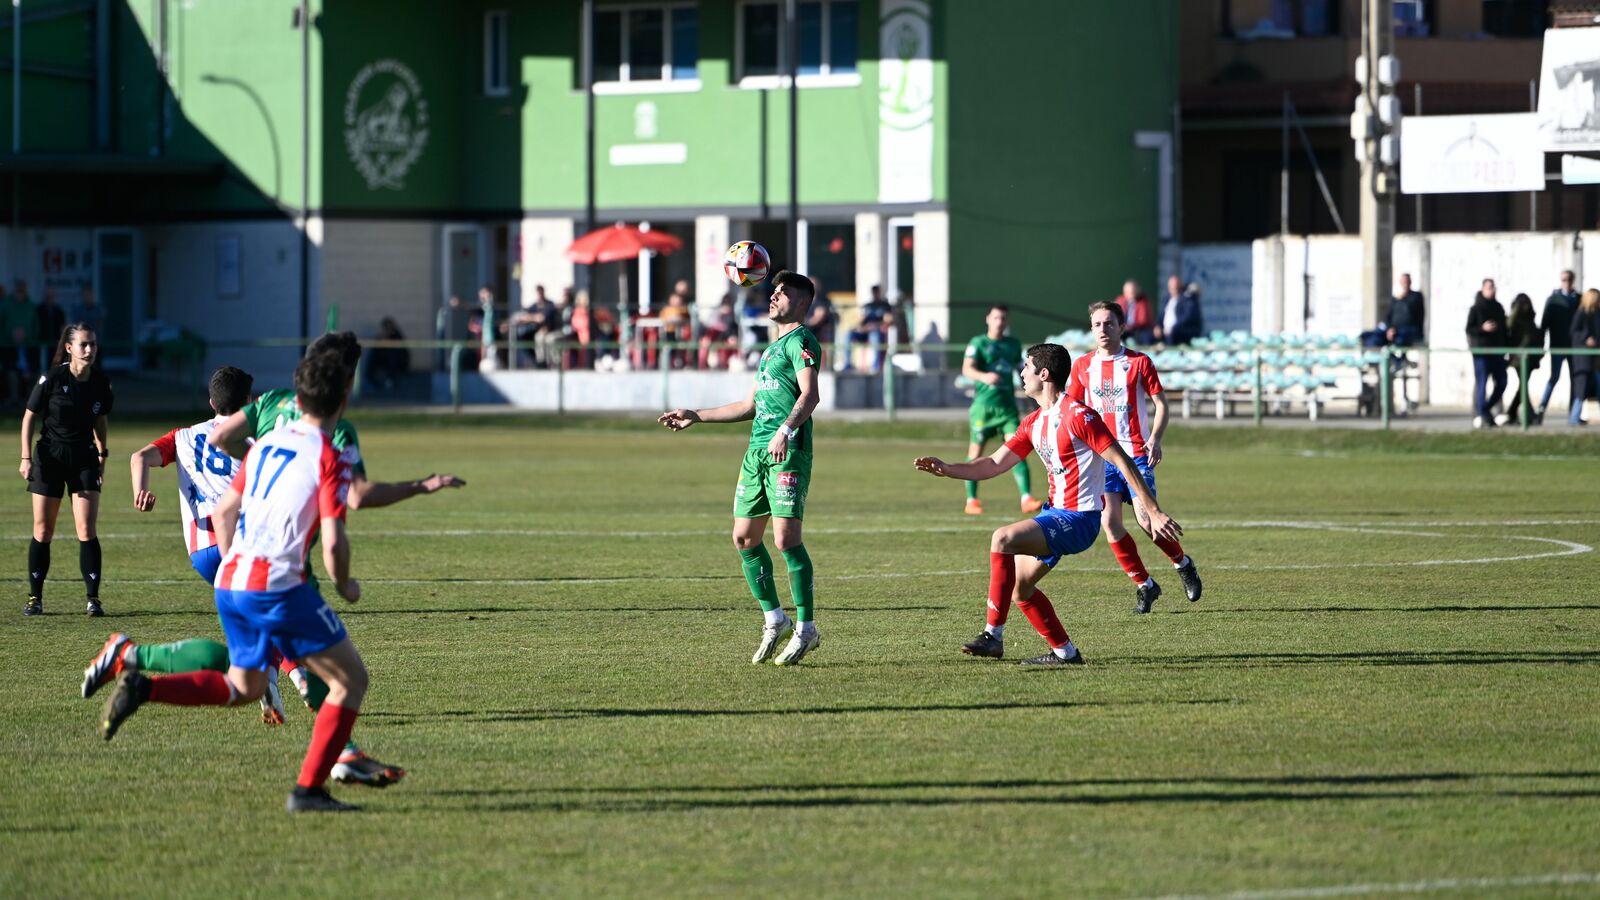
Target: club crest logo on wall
x=385 y=123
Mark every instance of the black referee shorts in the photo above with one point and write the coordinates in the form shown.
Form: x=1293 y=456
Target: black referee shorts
x=59 y=470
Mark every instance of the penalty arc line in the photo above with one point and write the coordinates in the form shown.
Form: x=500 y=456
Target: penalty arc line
x=1404 y=887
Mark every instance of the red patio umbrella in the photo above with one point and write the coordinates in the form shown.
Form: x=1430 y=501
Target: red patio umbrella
x=619 y=242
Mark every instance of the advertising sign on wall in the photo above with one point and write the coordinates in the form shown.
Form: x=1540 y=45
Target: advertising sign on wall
x=905 y=103
x=1471 y=154
x=1569 y=90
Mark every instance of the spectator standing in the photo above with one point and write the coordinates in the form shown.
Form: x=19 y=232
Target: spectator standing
x=1181 y=320
x=1486 y=329
x=52 y=319
x=1585 y=333
x=1139 y=313
x=1523 y=331
x=86 y=310
x=676 y=326
x=385 y=364
x=19 y=327
x=1557 y=323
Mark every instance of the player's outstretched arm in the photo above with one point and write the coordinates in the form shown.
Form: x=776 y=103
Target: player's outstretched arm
x=139 y=466
x=232 y=435
x=984 y=469
x=225 y=518
x=969 y=368
x=738 y=411
x=336 y=558
x=1161 y=524
x=366 y=494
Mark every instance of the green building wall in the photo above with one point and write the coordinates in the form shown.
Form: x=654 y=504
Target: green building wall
x=1051 y=207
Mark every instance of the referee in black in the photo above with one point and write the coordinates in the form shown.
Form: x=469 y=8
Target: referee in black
x=73 y=397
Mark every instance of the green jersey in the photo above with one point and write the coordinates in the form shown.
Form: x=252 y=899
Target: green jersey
x=778 y=386
x=274 y=408
x=991 y=403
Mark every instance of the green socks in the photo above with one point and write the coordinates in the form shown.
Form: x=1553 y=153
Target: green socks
x=972 y=488
x=800 y=581
x=757 y=564
x=182 y=656
x=1024 y=479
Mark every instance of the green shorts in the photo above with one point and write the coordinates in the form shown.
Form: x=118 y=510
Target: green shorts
x=984 y=429
x=767 y=488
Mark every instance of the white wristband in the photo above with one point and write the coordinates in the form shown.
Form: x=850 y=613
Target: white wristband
x=786 y=431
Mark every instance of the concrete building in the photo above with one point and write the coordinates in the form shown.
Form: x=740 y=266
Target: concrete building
x=220 y=167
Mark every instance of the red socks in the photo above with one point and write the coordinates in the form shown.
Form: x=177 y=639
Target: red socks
x=1172 y=549
x=1002 y=581
x=1127 y=553
x=328 y=738
x=202 y=688
x=1042 y=616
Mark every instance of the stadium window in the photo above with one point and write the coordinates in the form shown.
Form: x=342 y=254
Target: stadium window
x=646 y=46
x=828 y=34
x=495 y=82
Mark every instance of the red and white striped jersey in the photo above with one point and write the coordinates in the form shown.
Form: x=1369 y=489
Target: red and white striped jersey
x=204 y=473
x=290 y=481
x=1069 y=438
x=1119 y=388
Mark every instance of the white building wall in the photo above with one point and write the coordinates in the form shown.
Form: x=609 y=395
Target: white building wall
x=932 y=278
x=1447 y=268
x=544 y=261
x=188 y=292
x=373 y=269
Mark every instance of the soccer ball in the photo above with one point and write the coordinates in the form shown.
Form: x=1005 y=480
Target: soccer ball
x=746 y=263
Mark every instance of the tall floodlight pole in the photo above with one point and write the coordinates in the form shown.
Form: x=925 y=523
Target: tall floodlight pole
x=1375 y=127
x=792 y=54
x=305 y=167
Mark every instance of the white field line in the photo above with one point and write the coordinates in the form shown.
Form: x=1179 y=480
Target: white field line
x=1402 y=887
x=1569 y=548
x=974 y=528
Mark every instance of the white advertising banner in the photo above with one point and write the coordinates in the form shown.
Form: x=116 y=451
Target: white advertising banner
x=1569 y=90
x=905 y=103
x=1224 y=274
x=1471 y=154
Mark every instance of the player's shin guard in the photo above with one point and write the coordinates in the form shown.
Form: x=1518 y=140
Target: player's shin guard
x=182 y=656
x=328 y=738
x=89 y=565
x=1127 y=553
x=801 y=581
x=38 y=566
x=757 y=564
x=203 y=688
x=1002 y=582
x=1042 y=615
x=1172 y=549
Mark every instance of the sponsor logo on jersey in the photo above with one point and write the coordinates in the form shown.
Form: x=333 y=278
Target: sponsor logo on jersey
x=805 y=354
x=788 y=479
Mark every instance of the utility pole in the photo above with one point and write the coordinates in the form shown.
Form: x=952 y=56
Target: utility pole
x=1375 y=128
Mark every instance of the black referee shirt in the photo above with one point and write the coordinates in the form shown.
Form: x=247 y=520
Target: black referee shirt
x=70 y=406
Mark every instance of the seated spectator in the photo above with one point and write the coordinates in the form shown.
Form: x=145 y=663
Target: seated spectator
x=675 y=316
x=537 y=318
x=823 y=318
x=1138 y=312
x=873 y=328
x=385 y=364
x=723 y=331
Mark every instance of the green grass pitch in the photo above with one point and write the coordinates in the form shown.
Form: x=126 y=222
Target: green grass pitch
x=1393 y=679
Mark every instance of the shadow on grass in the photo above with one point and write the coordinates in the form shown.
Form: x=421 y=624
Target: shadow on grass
x=1404 y=610
x=1375 y=658
x=616 y=609
x=1269 y=789
x=545 y=715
